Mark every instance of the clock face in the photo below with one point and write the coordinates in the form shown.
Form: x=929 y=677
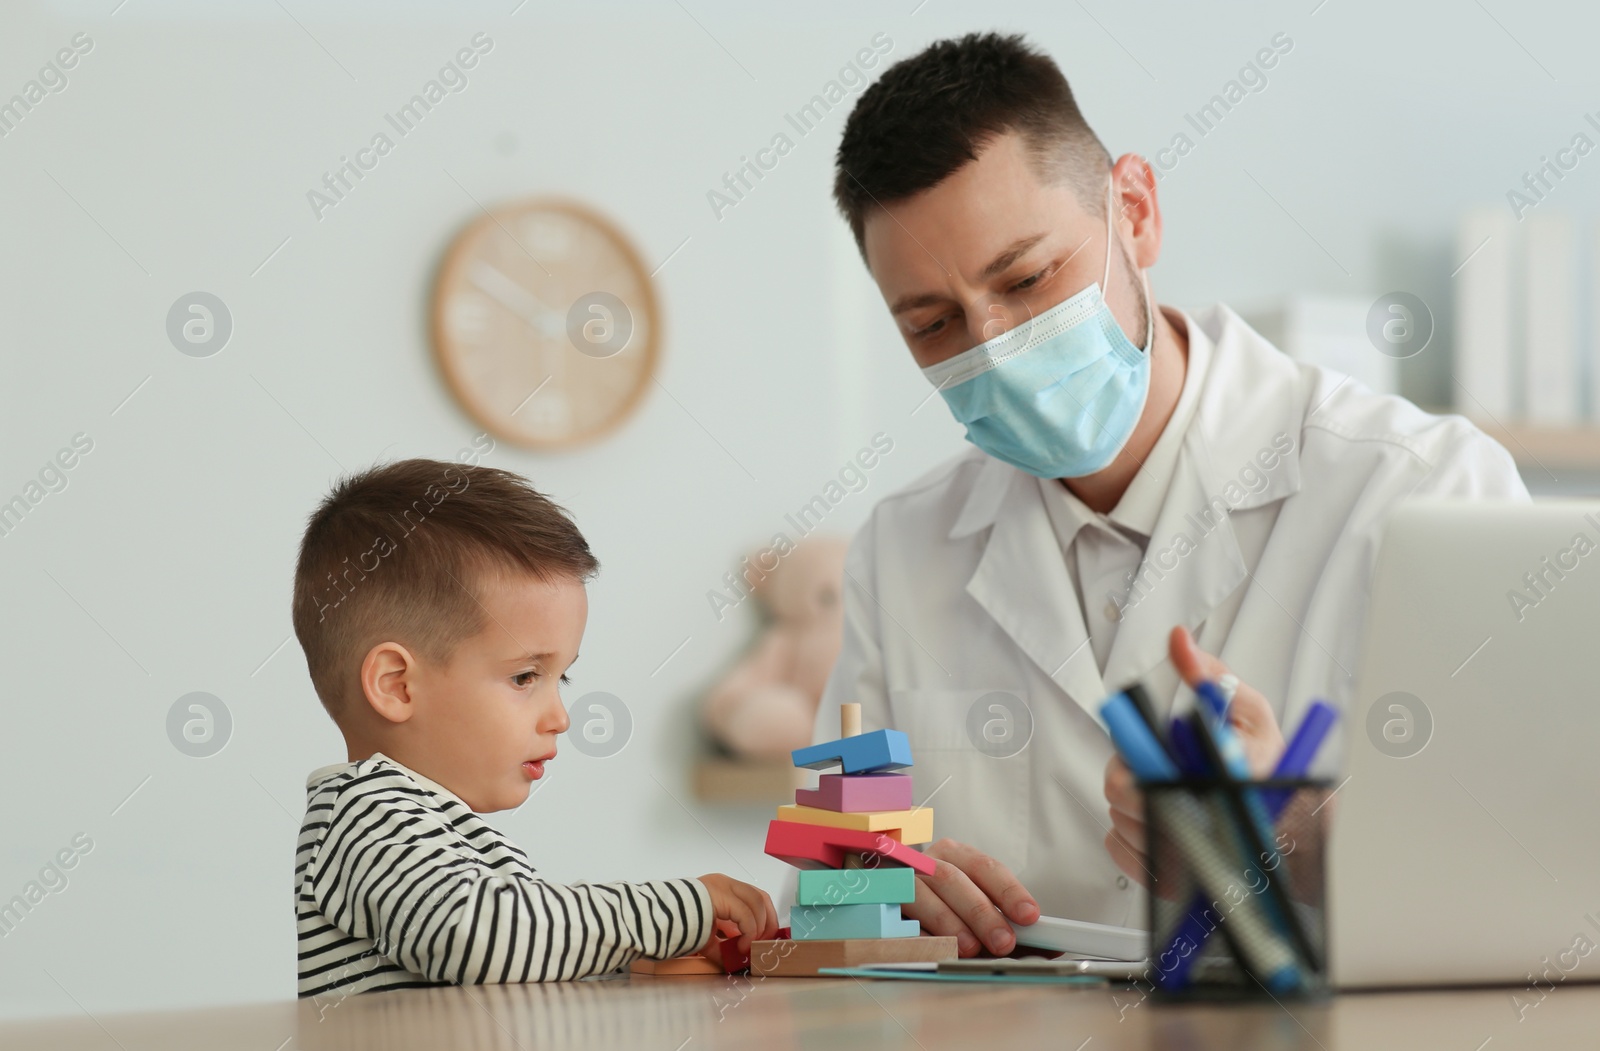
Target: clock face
x=545 y=324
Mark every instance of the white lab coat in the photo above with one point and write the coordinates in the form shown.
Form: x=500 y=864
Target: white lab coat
x=957 y=588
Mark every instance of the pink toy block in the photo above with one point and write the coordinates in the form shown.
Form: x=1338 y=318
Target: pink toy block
x=858 y=793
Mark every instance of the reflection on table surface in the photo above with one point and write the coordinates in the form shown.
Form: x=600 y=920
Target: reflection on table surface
x=774 y=1014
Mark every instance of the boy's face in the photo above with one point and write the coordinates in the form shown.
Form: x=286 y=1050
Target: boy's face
x=486 y=721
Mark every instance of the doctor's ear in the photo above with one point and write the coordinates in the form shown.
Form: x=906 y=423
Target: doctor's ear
x=1138 y=210
x=387 y=681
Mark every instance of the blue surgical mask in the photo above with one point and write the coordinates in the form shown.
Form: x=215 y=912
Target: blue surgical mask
x=1057 y=396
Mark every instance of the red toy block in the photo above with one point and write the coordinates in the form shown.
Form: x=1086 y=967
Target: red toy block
x=824 y=847
x=733 y=961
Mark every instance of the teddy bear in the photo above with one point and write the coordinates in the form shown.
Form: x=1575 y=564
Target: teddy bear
x=764 y=707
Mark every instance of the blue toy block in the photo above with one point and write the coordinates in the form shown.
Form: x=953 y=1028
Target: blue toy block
x=895 y=885
x=828 y=922
x=862 y=754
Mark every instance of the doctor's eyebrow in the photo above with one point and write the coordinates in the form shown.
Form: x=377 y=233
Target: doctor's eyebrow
x=997 y=265
x=1010 y=255
x=925 y=299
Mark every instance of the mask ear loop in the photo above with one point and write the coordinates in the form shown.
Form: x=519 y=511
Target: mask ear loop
x=1110 y=185
x=1149 y=308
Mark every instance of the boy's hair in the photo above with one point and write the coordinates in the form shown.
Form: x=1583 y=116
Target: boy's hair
x=931 y=113
x=396 y=553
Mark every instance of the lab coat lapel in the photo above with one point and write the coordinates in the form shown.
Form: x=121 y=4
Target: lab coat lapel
x=1022 y=582
x=1249 y=408
x=1191 y=564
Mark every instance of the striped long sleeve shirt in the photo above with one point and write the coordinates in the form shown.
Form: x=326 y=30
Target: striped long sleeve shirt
x=398 y=883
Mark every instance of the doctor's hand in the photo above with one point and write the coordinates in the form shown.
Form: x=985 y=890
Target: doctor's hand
x=1251 y=718
x=970 y=895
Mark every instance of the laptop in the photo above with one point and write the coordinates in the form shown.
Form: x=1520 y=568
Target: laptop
x=1466 y=844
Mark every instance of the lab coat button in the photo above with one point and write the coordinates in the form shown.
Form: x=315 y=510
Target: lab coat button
x=1122 y=883
x=1113 y=614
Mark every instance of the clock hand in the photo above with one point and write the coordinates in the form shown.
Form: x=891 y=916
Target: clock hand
x=518 y=300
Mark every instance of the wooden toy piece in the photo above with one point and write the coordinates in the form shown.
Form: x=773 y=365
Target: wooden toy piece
x=908 y=826
x=802 y=958
x=733 y=961
x=677 y=966
x=849 y=720
x=858 y=793
x=861 y=754
x=889 y=885
x=723 y=948
x=874 y=920
x=818 y=846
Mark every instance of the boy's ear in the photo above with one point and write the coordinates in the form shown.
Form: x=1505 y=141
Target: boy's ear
x=387 y=681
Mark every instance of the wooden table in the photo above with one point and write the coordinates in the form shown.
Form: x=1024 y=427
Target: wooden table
x=688 y=1014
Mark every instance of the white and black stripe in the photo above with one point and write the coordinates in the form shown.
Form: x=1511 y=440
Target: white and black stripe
x=399 y=885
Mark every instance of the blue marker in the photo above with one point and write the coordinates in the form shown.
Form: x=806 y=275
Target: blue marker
x=1134 y=739
x=1186 y=749
x=1212 y=699
x=1299 y=753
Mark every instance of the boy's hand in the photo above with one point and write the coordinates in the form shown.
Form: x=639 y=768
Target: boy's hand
x=747 y=907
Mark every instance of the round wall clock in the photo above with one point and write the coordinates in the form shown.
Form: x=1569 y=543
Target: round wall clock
x=545 y=323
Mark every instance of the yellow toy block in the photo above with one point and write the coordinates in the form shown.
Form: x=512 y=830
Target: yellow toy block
x=908 y=826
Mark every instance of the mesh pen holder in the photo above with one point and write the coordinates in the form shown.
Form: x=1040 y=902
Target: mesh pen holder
x=1236 y=903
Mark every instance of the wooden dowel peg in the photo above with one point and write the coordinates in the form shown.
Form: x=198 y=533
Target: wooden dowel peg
x=849 y=720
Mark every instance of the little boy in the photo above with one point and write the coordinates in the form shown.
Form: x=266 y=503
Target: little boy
x=439 y=606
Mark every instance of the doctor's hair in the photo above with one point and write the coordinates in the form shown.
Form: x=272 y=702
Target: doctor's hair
x=932 y=112
x=401 y=552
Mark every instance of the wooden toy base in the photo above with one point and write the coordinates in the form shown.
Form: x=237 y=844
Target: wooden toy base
x=676 y=966
x=801 y=959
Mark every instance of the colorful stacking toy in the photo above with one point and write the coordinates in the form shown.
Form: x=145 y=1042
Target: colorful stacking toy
x=852 y=838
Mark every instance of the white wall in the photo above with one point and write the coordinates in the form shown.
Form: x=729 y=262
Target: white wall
x=178 y=159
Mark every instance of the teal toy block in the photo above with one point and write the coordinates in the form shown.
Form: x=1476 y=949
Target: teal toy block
x=861 y=754
x=829 y=922
x=881 y=886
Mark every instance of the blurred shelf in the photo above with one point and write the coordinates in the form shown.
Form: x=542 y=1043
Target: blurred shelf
x=1574 y=448
x=747 y=781
x=1535 y=445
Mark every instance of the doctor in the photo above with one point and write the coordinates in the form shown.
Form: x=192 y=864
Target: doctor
x=1153 y=495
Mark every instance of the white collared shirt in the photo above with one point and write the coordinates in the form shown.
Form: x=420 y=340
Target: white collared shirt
x=1103 y=551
